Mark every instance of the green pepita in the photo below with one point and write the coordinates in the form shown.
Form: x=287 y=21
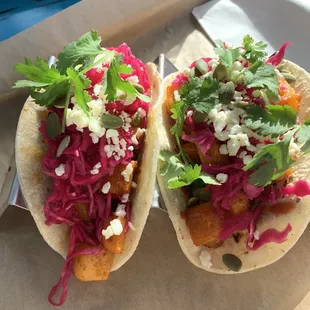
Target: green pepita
x=111 y=121
x=220 y=72
x=53 y=127
x=232 y=262
x=226 y=92
x=199 y=117
x=136 y=119
x=192 y=72
x=201 y=66
x=138 y=87
x=202 y=194
x=289 y=77
x=193 y=201
x=63 y=145
x=265 y=97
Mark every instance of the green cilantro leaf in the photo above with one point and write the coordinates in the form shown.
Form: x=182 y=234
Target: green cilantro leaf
x=81 y=83
x=53 y=92
x=227 y=56
x=254 y=51
x=178 y=174
x=270 y=162
x=82 y=51
x=275 y=120
x=201 y=94
x=114 y=81
x=178 y=114
x=39 y=74
x=264 y=77
x=303 y=136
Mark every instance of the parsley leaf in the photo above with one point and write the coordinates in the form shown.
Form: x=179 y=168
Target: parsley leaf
x=265 y=77
x=201 y=94
x=53 y=92
x=253 y=51
x=270 y=162
x=82 y=51
x=303 y=136
x=178 y=174
x=39 y=74
x=275 y=120
x=227 y=56
x=81 y=83
x=114 y=81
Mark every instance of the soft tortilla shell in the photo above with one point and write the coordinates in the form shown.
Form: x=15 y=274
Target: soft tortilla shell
x=269 y=253
x=35 y=185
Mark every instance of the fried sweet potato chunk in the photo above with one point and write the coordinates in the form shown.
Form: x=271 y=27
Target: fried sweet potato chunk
x=114 y=244
x=213 y=156
x=204 y=225
x=191 y=150
x=92 y=267
x=239 y=203
x=82 y=211
x=119 y=186
x=288 y=95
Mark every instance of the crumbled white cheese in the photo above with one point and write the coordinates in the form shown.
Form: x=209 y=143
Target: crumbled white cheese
x=247 y=159
x=125 y=198
x=243 y=153
x=134 y=184
x=97 y=89
x=131 y=226
x=98 y=165
x=220 y=121
x=73 y=100
x=134 y=140
x=106 y=187
x=130 y=98
x=237 y=65
x=294 y=150
x=115 y=228
x=256 y=234
x=205 y=258
x=140 y=132
x=222 y=177
x=60 y=170
x=127 y=172
x=223 y=149
x=111 y=133
x=176 y=95
x=76 y=116
x=141 y=112
x=222 y=136
x=120 y=210
x=133 y=79
x=130 y=148
x=94 y=137
x=126 y=121
x=189 y=113
x=94 y=171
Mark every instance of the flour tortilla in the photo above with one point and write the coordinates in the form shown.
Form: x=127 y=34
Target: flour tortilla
x=36 y=185
x=269 y=253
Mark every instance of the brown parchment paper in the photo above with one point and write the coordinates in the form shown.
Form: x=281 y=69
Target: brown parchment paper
x=158 y=276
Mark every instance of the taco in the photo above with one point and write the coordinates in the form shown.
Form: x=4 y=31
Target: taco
x=233 y=164
x=86 y=154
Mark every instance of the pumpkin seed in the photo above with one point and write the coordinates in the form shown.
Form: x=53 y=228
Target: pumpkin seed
x=226 y=92
x=284 y=71
x=193 y=201
x=63 y=145
x=111 y=121
x=265 y=97
x=202 y=194
x=199 y=117
x=220 y=72
x=201 y=66
x=136 y=119
x=53 y=127
x=138 y=87
x=192 y=72
x=289 y=77
x=232 y=262
x=242 y=104
x=196 y=184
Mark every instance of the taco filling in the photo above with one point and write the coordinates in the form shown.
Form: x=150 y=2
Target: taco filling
x=234 y=118
x=97 y=104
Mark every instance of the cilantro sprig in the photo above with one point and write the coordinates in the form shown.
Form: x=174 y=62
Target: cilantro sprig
x=227 y=55
x=179 y=174
x=254 y=51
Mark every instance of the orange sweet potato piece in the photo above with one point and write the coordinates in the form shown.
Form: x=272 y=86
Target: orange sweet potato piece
x=239 y=203
x=82 y=211
x=204 y=225
x=114 y=244
x=119 y=186
x=213 y=156
x=191 y=150
x=170 y=97
x=288 y=95
x=92 y=267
